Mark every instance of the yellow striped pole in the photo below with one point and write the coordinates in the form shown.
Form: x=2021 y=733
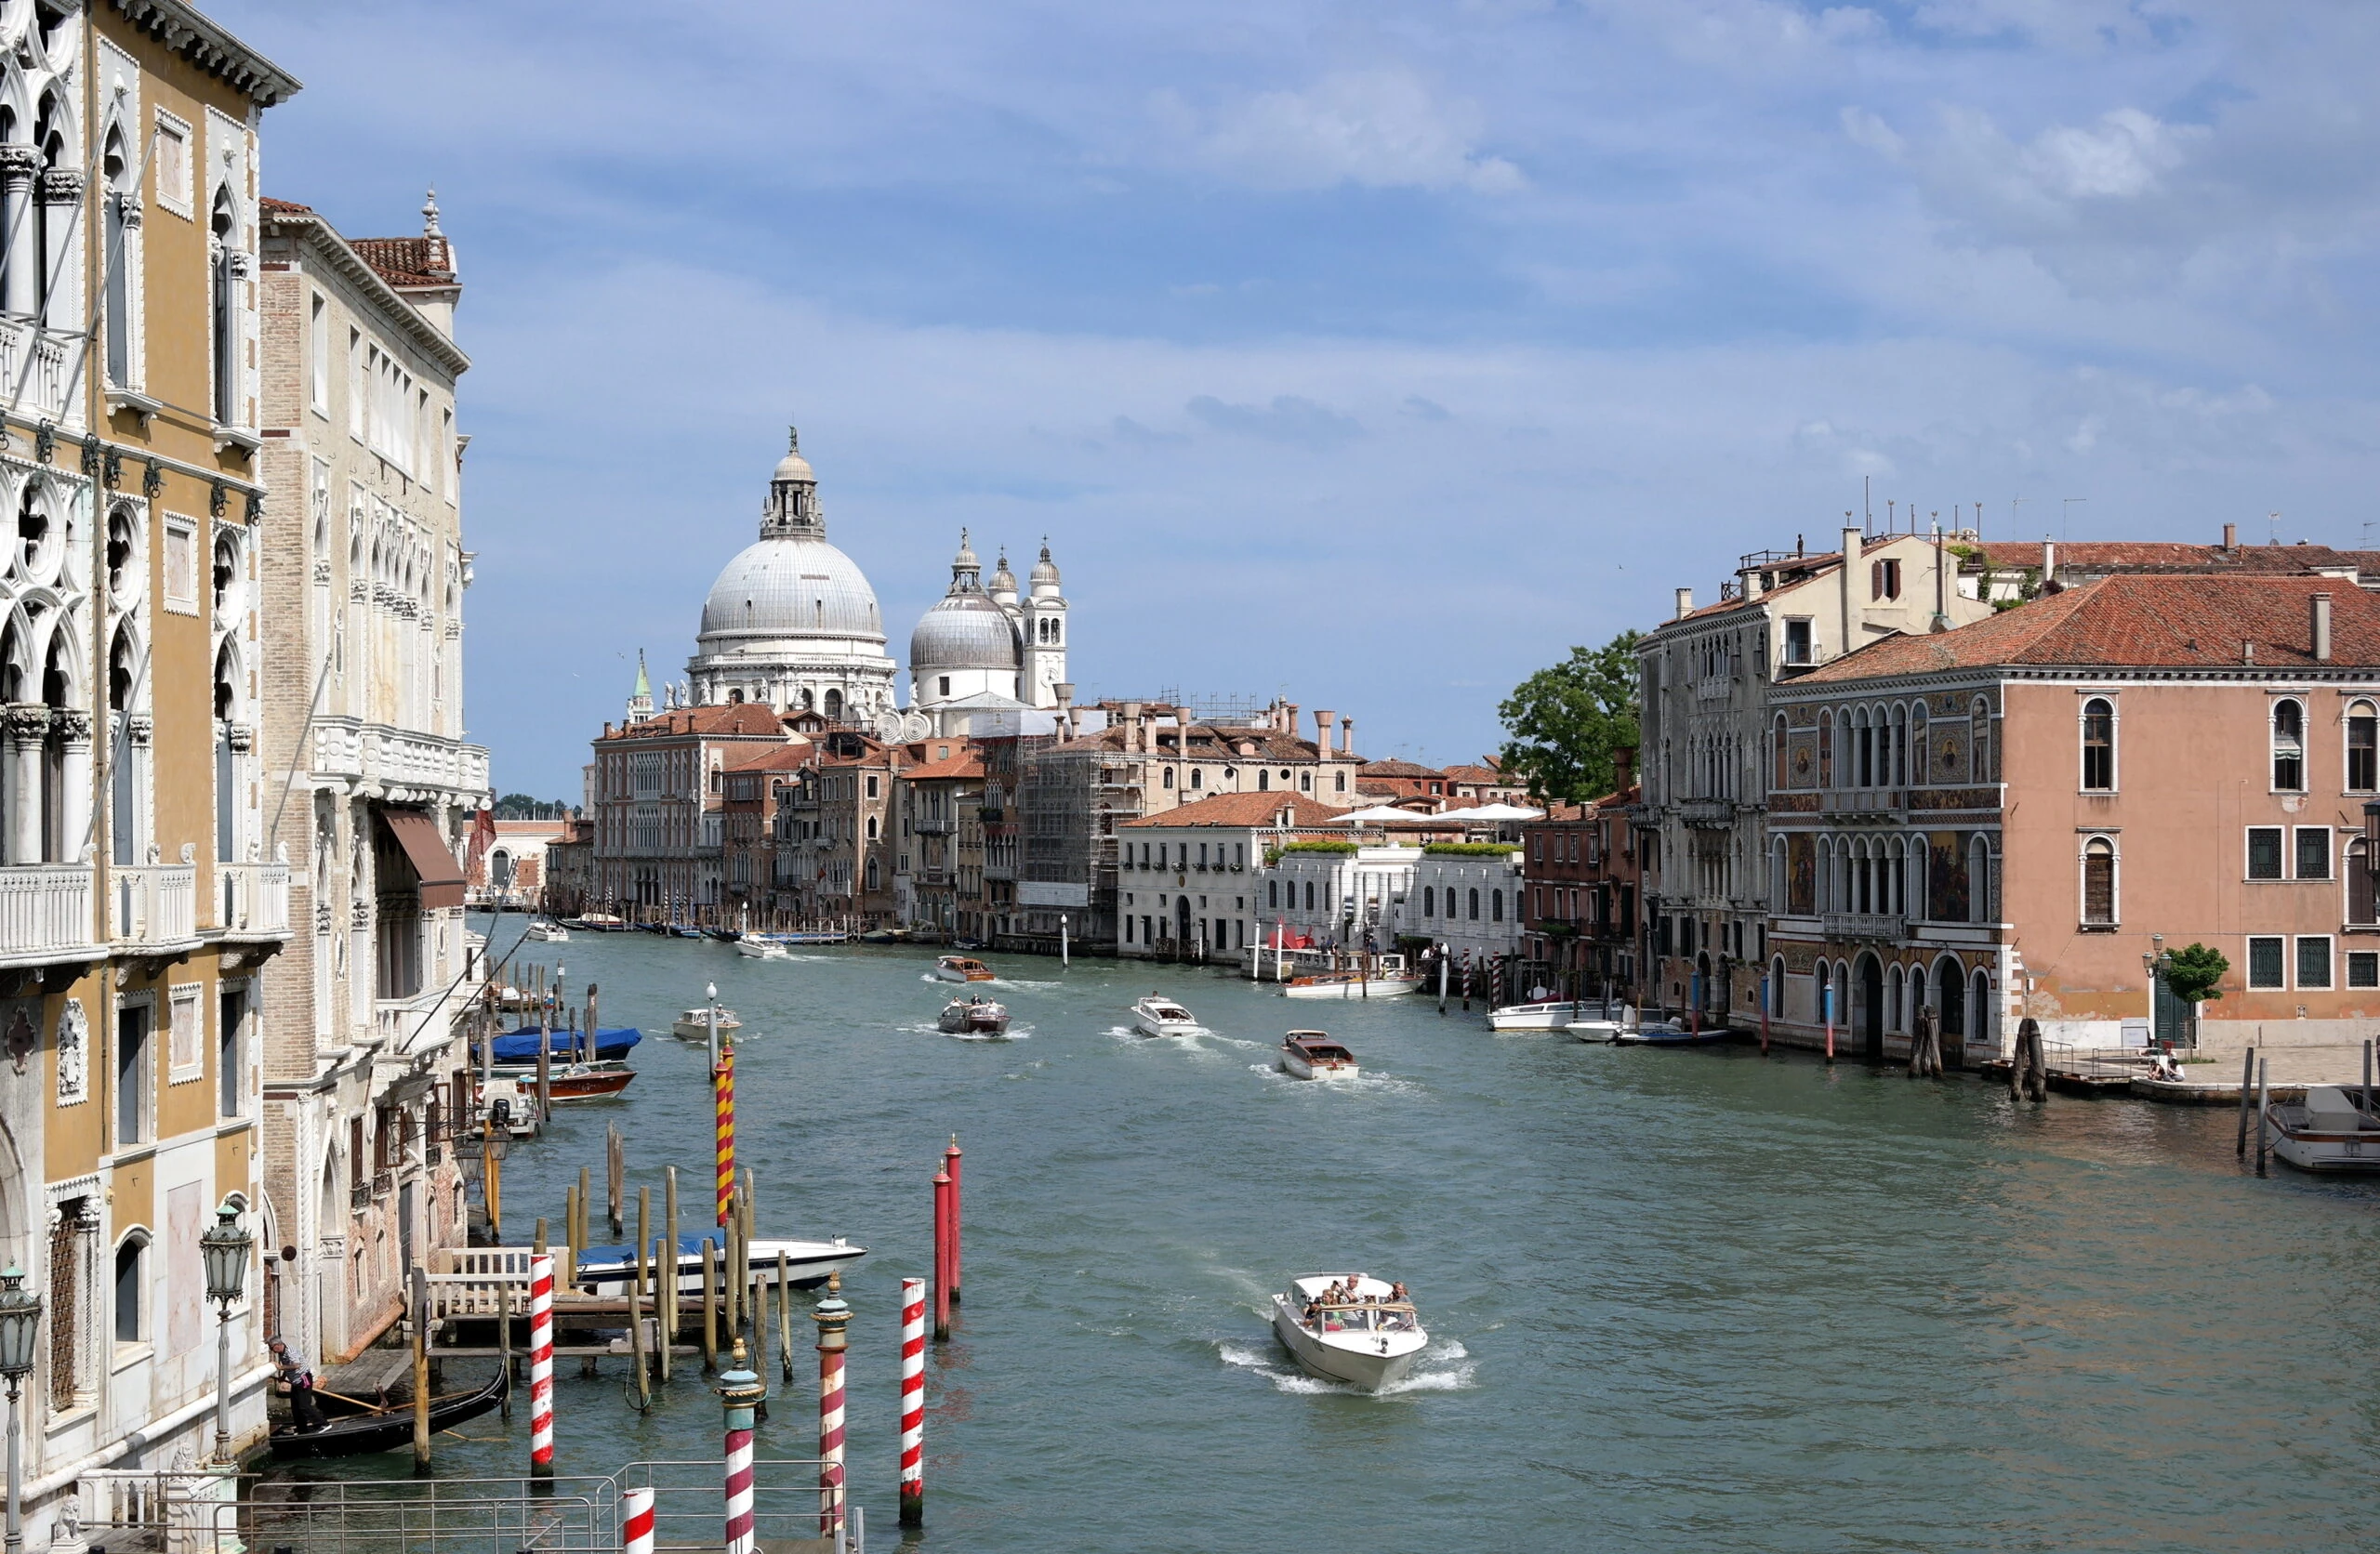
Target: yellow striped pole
x=723 y=1085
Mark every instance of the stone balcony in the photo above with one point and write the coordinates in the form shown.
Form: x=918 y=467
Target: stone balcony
x=35 y=364
x=252 y=900
x=397 y=759
x=154 y=907
x=1844 y=927
x=45 y=913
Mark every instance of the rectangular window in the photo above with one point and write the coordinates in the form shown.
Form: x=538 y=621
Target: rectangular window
x=231 y=1070
x=318 y=357
x=2364 y=968
x=358 y=390
x=2264 y=963
x=2314 y=960
x=181 y=565
x=133 y=1074
x=2264 y=852
x=2362 y=749
x=2313 y=852
x=1798 y=648
x=185 y=1033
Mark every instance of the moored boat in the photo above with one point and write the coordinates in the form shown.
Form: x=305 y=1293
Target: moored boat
x=521 y=1046
x=1349 y=1327
x=1548 y=1014
x=1159 y=1015
x=977 y=1015
x=595 y=1080
x=545 y=930
x=1313 y=1055
x=752 y=944
x=963 y=968
x=2330 y=1130
x=606 y=1271
x=1669 y=1033
x=695 y=1024
x=1349 y=984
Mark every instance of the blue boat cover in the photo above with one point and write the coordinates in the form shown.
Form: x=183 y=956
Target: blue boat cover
x=521 y=1046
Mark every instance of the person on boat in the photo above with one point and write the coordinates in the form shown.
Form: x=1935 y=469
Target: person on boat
x=305 y=1412
x=1396 y=1291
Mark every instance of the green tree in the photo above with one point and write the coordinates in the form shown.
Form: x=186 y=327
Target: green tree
x=520 y=806
x=1563 y=723
x=2195 y=973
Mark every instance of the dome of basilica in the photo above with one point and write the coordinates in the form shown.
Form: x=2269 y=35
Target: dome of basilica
x=793 y=585
x=964 y=631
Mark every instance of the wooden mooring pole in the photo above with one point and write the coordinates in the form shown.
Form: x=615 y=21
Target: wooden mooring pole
x=710 y=1306
x=616 y=1176
x=2264 y=1070
x=2247 y=1098
x=785 y=1312
x=419 y=1293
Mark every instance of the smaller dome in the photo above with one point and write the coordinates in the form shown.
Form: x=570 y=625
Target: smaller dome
x=966 y=561
x=1045 y=570
x=1003 y=580
x=965 y=631
x=793 y=466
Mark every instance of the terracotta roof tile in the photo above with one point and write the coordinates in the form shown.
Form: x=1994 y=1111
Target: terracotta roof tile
x=968 y=763
x=2170 y=555
x=1394 y=768
x=2133 y=619
x=1241 y=809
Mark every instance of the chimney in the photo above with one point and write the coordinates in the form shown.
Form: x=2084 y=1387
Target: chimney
x=1850 y=564
x=2230 y=536
x=1289 y=727
x=1323 y=718
x=1132 y=727
x=2049 y=560
x=2321 y=629
x=1684 y=603
x=1347 y=734
x=1752 y=583
x=1623 y=768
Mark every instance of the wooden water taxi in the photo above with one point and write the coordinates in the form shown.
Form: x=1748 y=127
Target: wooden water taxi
x=977 y=1015
x=1313 y=1055
x=963 y=968
x=1158 y=1015
x=695 y=1024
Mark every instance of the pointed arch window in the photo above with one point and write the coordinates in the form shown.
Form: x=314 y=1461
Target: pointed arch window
x=2362 y=747
x=1826 y=749
x=222 y=305
x=1979 y=742
x=2360 y=893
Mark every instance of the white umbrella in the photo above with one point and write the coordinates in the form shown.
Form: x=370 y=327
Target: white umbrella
x=1485 y=813
x=1384 y=814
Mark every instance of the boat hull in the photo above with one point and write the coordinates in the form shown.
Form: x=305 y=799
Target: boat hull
x=760 y=949
x=1148 y=1022
x=1369 y=987
x=965 y=1021
x=691 y=1030
x=1366 y=1367
x=385 y=1430
x=1297 y=1067
x=1551 y=1016
x=808 y=1264
x=1600 y=1031
x=563 y=1085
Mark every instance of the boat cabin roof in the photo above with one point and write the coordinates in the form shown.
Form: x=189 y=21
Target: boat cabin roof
x=1317 y=1044
x=1310 y=1286
x=968 y=961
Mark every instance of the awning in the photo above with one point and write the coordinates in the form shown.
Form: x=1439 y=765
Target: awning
x=442 y=878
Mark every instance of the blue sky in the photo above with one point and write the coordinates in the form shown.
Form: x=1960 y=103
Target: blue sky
x=1375 y=352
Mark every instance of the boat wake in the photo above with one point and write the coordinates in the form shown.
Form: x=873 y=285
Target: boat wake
x=1029 y=986
x=1445 y=1366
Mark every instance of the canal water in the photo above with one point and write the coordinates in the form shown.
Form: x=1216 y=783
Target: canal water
x=1681 y=1300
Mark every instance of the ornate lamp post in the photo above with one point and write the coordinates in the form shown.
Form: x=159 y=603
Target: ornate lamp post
x=224 y=1250
x=20 y=1321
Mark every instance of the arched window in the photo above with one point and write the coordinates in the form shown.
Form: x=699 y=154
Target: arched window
x=1197 y=777
x=1921 y=757
x=1826 y=749
x=131 y=1281
x=1776 y=986
x=1978 y=1010
x=1475 y=905
x=1429 y=901
x=2098 y=746
x=1168 y=779
x=1263 y=780
x=2099 y=882
x=1778 y=777
x=1865 y=751
x=1950 y=1001
x=115 y=168
x=2358 y=883
x=2289 y=746
x=1776 y=875
x=1920 y=861
x=1893 y=993
x=1978 y=879
x=2362 y=747
x=1979 y=742
x=833 y=705
x=1495 y=906
x=1899 y=775
x=871 y=837
x=222 y=305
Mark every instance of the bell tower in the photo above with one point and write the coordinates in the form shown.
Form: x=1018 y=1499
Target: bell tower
x=1045 y=635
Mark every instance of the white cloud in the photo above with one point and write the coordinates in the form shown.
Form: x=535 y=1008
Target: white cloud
x=1377 y=128
x=2120 y=157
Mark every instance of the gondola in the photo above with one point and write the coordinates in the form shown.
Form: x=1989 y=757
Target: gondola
x=377 y=1430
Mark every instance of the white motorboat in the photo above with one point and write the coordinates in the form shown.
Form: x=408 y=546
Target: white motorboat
x=963 y=969
x=761 y=948
x=695 y=1024
x=545 y=930
x=606 y=1271
x=1551 y=1014
x=1349 y=984
x=2330 y=1130
x=1159 y=1015
x=975 y=1016
x=1349 y=1327
x=1313 y=1055
x=1599 y=1030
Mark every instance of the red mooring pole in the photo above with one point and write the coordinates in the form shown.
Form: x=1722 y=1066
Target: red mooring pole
x=942 y=1257
x=950 y=1164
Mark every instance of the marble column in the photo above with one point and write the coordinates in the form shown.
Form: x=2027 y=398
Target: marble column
x=23 y=726
x=74 y=732
x=19 y=165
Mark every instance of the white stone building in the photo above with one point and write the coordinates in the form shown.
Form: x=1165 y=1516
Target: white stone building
x=1336 y=895
x=1190 y=881
x=1466 y=901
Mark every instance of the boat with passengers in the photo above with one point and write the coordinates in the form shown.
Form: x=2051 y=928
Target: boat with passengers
x=1350 y=1327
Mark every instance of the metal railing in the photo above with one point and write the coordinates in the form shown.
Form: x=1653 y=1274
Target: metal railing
x=562 y=1515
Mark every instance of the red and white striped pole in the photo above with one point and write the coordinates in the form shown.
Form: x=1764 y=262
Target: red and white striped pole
x=942 y=1256
x=636 y=1521
x=740 y=1392
x=913 y=1402
x=541 y=1365
x=950 y=1164
x=832 y=1317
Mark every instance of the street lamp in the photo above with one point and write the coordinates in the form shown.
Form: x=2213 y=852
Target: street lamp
x=710 y=992
x=224 y=1250
x=20 y=1320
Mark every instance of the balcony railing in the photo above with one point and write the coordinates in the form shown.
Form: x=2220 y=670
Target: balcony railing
x=384 y=1182
x=255 y=900
x=44 y=377
x=359 y=1196
x=1860 y=801
x=397 y=757
x=45 y=911
x=1863 y=925
x=156 y=903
